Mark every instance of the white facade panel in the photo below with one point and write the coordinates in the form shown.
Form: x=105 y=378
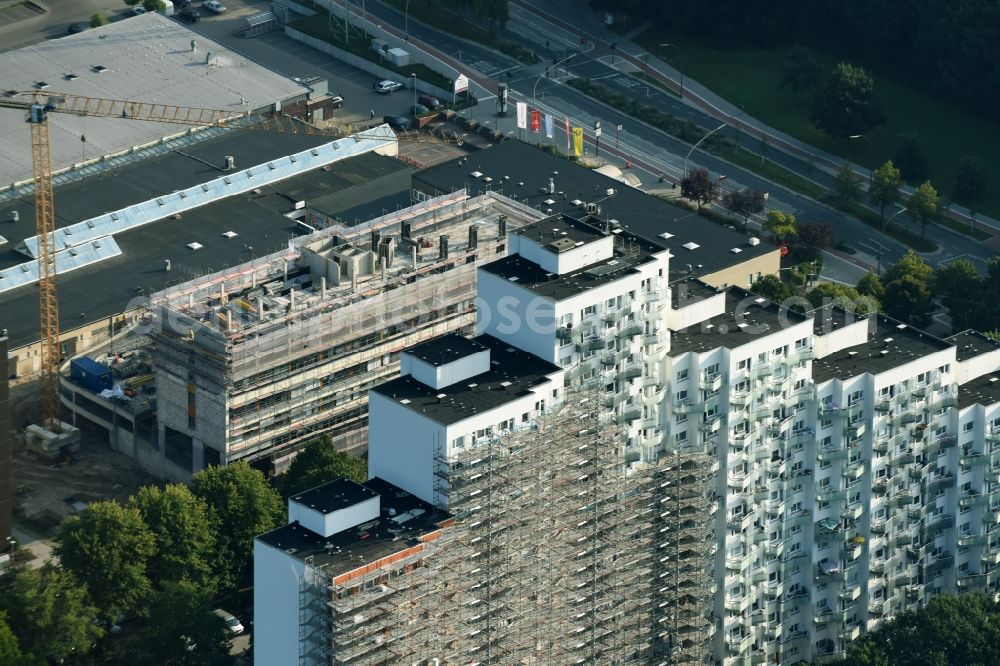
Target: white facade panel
x=560 y=263
x=336 y=521
x=516 y=315
x=439 y=376
x=406 y=444
x=276 y=578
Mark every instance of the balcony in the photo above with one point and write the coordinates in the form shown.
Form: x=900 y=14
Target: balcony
x=737 y=645
x=942 y=561
x=853 y=512
x=878 y=608
x=880 y=487
x=688 y=407
x=878 y=526
x=630 y=372
x=851 y=633
x=876 y=569
x=880 y=446
x=712 y=424
x=854 y=470
x=711 y=383
x=966 y=540
x=589 y=345
x=651 y=339
x=630 y=331
x=942 y=442
x=831 y=454
x=940 y=522
x=830 y=617
x=738 y=604
x=761 y=370
x=628 y=416
x=902 y=458
x=831 y=495
x=970 y=458
x=855 y=430
x=850 y=593
x=941 y=481
x=970 y=580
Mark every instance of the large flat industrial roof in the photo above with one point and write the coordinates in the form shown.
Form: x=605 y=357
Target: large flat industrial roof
x=102 y=290
x=521 y=171
x=146 y=58
x=513 y=374
x=983 y=390
x=970 y=344
x=363 y=544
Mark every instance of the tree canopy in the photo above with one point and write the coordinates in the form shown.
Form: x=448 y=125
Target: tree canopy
x=970 y=180
x=182 y=533
x=911 y=159
x=923 y=205
x=846 y=104
x=745 y=202
x=49 y=612
x=318 y=463
x=846 y=185
x=963 y=629
x=884 y=188
x=841 y=295
x=800 y=71
x=772 y=288
x=781 y=225
x=107 y=547
x=242 y=505
x=700 y=187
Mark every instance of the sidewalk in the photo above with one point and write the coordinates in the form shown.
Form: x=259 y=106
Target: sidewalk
x=39 y=548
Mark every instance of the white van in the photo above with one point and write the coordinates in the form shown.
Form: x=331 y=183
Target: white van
x=232 y=624
x=168 y=9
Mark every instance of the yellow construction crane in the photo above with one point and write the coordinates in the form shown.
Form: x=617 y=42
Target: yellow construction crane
x=38 y=106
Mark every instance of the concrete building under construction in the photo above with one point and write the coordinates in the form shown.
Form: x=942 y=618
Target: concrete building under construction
x=257 y=359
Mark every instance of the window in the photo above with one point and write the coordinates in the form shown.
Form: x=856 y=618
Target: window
x=712 y=369
x=589 y=310
x=458 y=442
x=681 y=418
x=967 y=427
x=826 y=423
x=801 y=344
x=682 y=395
x=682 y=375
x=801 y=384
x=743 y=365
x=681 y=436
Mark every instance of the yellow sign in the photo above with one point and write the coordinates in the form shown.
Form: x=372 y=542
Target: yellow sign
x=578 y=141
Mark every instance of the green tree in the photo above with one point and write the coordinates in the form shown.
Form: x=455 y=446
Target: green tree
x=772 y=288
x=846 y=186
x=153 y=5
x=97 y=20
x=107 y=547
x=910 y=159
x=800 y=70
x=923 y=205
x=846 y=104
x=960 y=289
x=49 y=612
x=841 y=295
x=884 y=188
x=962 y=629
x=10 y=651
x=910 y=264
x=181 y=630
x=909 y=300
x=871 y=285
x=781 y=225
x=318 y=463
x=182 y=532
x=970 y=181
x=242 y=505
x=700 y=187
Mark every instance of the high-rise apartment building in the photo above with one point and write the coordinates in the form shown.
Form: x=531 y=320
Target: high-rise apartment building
x=683 y=473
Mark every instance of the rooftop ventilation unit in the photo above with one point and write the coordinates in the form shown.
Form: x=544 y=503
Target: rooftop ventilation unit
x=754 y=241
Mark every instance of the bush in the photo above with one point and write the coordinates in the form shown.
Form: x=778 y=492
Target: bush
x=97 y=20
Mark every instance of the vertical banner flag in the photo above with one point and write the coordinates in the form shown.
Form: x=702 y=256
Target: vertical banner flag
x=536 y=121
x=578 y=141
x=522 y=115
x=548 y=125
x=567 y=133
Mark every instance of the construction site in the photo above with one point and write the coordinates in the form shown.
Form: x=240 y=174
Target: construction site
x=254 y=360
x=553 y=554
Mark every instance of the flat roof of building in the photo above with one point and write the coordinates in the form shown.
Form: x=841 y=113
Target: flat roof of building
x=334 y=496
x=102 y=290
x=512 y=375
x=970 y=344
x=747 y=317
x=983 y=390
x=830 y=318
x=689 y=291
x=519 y=170
x=446 y=349
x=890 y=344
x=629 y=251
x=146 y=58
x=562 y=228
x=365 y=543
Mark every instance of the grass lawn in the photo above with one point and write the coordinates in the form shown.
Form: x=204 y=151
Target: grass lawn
x=750 y=78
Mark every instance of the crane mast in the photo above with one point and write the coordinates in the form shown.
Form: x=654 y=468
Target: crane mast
x=48 y=303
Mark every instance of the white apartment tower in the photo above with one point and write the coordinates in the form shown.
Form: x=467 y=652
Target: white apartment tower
x=644 y=472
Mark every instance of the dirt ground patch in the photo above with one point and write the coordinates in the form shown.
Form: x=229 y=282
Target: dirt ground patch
x=45 y=492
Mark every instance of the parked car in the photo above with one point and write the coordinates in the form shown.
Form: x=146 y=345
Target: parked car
x=397 y=122
x=75 y=28
x=386 y=87
x=232 y=623
x=182 y=4
x=430 y=102
x=214 y=6
x=418 y=110
x=137 y=11
x=190 y=15
x=337 y=101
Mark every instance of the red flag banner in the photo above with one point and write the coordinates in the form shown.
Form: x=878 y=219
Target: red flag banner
x=536 y=121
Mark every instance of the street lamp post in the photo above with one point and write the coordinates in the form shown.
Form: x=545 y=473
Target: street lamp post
x=685 y=173
x=413 y=83
x=891 y=217
x=406 y=21
x=679 y=72
x=871 y=172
